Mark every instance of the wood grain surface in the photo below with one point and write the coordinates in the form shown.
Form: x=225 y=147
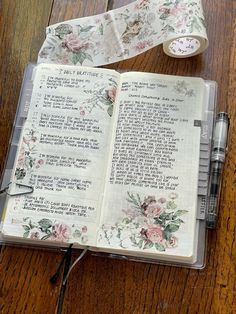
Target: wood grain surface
x=102 y=285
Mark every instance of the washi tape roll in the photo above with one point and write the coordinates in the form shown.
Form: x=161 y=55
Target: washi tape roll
x=126 y=32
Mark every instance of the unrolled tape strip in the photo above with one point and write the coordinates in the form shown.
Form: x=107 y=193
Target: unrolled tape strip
x=126 y=32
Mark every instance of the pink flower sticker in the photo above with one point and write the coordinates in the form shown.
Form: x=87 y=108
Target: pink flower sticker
x=111 y=93
x=153 y=210
x=60 y=233
x=21 y=158
x=72 y=43
x=162 y=200
x=143 y=44
x=173 y=195
x=40 y=162
x=173 y=242
x=84 y=229
x=154 y=233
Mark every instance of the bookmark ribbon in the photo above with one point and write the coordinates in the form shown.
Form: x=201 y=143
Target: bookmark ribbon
x=126 y=32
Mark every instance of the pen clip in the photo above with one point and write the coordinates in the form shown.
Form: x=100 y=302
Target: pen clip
x=227 y=139
x=29 y=187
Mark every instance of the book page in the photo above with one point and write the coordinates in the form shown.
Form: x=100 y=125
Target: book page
x=151 y=186
x=62 y=154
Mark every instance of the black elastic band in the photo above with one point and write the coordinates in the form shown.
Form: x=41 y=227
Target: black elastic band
x=53 y=279
x=63 y=286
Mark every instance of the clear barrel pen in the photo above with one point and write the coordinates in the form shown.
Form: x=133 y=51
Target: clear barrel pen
x=217 y=161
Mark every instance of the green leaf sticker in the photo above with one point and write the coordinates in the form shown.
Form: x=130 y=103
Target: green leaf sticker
x=167 y=3
x=81 y=57
x=164 y=16
x=77 y=233
x=171 y=205
x=178 y=221
x=31 y=162
x=148 y=245
x=140 y=244
x=168 y=28
x=26 y=228
x=45 y=223
x=20 y=173
x=88 y=56
x=166 y=216
x=101 y=29
x=118 y=233
x=46 y=237
x=167 y=235
x=179 y=213
x=78 y=57
x=159 y=247
x=171 y=228
x=85 y=29
x=132 y=199
x=26 y=234
x=110 y=110
x=62 y=30
x=133 y=240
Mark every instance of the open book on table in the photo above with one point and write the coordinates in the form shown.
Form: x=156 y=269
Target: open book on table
x=114 y=162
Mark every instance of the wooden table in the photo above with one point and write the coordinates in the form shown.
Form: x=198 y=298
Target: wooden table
x=101 y=285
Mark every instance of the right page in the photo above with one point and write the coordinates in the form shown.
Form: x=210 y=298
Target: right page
x=150 y=198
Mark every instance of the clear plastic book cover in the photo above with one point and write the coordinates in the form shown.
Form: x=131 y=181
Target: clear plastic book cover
x=204 y=166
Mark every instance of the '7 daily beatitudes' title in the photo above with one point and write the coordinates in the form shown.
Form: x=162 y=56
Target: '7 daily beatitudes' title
x=77 y=72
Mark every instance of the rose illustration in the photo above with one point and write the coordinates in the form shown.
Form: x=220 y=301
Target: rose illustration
x=153 y=210
x=111 y=94
x=172 y=242
x=40 y=162
x=60 y=233
x=173 y=195
x=148 y=200
x=72 y=43
x=162 y=200
x=154 y=233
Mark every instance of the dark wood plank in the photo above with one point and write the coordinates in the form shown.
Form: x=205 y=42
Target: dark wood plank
x=25 y=286
x=97 y=284
x=22 y=29
x=70 y=9
x=22 y=26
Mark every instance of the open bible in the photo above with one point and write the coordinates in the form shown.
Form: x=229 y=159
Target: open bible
x=113 y=160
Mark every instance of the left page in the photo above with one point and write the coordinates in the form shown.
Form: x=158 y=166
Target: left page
x=62 y=154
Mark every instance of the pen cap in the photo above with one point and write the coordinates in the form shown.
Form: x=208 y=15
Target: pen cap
x=220 y=137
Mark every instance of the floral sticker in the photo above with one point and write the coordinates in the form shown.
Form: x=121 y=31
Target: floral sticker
x=148 y=223
x=126 y=32
x=100 y=97
x=28 y=150
x=47 y=229
x=181 y=87
x=72 y=47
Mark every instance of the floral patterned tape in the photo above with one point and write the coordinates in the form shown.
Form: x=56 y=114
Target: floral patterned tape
x=126 y=32
x=149 y=223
